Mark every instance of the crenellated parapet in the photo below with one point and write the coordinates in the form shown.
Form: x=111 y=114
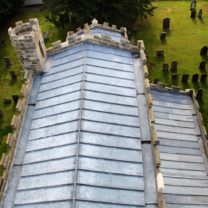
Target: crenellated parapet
x=94 y=24
x=27 y=39
x=87 y=33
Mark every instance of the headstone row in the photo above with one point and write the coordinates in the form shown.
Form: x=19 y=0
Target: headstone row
x=173 y=67
x=185 y=77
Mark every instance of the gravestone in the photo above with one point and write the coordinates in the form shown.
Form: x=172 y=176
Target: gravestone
x=200 y=14
x=202 y=65
x=203 y=78
x=165 y=67
x=174 y=66
x=174 y=77
x=195 y=78
x=166 y=23
x=15 y=98
x=203 y=51
x=156 y=81
x=7 y=61
x=185 y=78
x=199 y=95
x=193 y=13
x=193 y=5
x=13 y=75
x=160 y=53
x=163 y=35
x=1 y=114
x=193 y=8
x=7 y=101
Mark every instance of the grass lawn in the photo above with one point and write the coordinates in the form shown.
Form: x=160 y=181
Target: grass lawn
x=183 y=43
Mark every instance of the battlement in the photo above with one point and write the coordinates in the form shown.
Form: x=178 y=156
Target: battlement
x=96 y=33
x=27 y=39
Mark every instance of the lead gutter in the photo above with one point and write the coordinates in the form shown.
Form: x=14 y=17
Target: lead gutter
x=153 y=179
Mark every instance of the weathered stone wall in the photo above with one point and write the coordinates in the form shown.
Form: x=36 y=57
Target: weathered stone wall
x=27 y=39
x=11 y=141
x=74 y=38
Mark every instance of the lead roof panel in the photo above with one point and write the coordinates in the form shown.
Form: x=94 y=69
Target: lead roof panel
x=84 y=143
x=182 y=158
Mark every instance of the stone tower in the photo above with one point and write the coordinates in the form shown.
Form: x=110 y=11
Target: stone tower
x=28 y=41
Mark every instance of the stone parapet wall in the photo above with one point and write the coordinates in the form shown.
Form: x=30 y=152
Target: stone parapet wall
x=201 y=123
x=153 y=131
x=27 y=39
x=95 y=24
x=123 y=44
x=86 y=34
x=12 y=138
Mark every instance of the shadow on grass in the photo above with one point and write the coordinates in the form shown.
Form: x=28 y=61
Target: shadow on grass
x=201 y=20
x=163 y=41
x=204 y=84
x=186 y=85
x=196 y=85
x=175 y=82
x=3 y=132
x=194 y=20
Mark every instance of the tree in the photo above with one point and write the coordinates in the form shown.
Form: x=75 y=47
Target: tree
x=8 y=8
x=75 y=13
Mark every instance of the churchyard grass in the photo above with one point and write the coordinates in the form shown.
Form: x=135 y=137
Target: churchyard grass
x=183 y=43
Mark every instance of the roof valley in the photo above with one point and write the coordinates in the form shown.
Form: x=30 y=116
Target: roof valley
x=146 y=140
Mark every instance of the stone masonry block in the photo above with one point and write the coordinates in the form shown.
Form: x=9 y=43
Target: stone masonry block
x=146 y=71
x=4 y=161
x=15 y=122
x=160 y=183
x=147 y=84
x=24 y=90
x=140 y=44
x=152 y=119
x=149 y=99
x=154 y=135
x=157 y=157
x=2 y=184
x=161 y=201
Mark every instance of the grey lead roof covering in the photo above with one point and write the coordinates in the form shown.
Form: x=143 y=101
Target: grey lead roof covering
x=83 y=148
x=85 y=141
x=181 y=151
x=114 y=35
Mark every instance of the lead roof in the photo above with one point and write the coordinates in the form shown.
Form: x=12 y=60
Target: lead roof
x=86 y=142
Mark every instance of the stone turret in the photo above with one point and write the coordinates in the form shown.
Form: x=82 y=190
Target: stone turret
x=28 y=41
